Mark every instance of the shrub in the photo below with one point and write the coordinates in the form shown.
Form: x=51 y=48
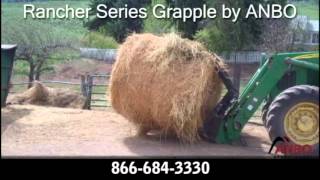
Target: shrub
x=98 y=40
x=157 y=26
x=212 y=38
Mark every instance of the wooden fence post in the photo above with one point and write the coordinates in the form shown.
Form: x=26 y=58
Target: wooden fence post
x=89 y=90
x=83 y=86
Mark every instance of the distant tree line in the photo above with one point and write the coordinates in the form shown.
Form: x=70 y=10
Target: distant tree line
x=217 y=34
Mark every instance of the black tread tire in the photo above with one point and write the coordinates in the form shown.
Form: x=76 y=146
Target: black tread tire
x=264 y=111
x=283 y=103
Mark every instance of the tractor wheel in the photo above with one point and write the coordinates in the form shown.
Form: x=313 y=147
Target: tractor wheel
x=294 y=114
x=265 y=110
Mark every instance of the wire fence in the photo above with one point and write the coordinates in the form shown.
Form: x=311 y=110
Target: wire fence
x=96 y=93
x=109 y=55
x=242 y=57
x=106 y=55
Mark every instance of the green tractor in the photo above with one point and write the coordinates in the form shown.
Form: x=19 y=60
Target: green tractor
x=287 y=85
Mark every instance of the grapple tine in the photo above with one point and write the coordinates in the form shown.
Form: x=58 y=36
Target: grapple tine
x=212 y=124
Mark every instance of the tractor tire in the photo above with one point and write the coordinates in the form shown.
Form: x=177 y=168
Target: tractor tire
x=264 y=111
x=294 y=115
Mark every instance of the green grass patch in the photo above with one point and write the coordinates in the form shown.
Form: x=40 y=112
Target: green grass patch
x=12 y=13
x=310 y=9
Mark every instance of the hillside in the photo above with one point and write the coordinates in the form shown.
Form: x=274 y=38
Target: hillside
x=12 y=13
x=308 y=8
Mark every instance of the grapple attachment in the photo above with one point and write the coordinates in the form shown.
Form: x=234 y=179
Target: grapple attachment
x=217 y=116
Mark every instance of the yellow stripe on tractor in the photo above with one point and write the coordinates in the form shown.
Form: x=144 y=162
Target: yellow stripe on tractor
x=307 y=56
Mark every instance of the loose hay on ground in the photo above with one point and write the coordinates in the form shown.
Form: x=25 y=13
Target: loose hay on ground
x=165 y=83
x=46 y=96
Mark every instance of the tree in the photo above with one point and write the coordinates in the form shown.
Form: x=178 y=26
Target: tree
x=245 y=34
x=224 y=35
x=188 y=28
x=279 y=34
x=118 y=28
x=36 y=43
x=157 y=26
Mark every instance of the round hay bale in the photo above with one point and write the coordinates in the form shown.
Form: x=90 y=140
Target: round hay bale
x=165 y=83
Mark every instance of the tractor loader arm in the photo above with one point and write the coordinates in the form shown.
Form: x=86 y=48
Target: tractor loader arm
x=227 y=119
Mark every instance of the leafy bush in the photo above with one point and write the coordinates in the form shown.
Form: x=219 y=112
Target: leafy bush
x=98 y=40
x=118 y=28
x=212 y=38
x=157 y=26
x=21 y=68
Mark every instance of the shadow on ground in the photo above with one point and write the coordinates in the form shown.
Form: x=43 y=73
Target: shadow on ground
x=156 y=145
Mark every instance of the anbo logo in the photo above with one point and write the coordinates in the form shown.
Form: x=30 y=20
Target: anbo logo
x=284 y=146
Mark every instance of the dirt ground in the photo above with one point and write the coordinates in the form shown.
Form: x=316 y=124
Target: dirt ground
x=42 y=131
